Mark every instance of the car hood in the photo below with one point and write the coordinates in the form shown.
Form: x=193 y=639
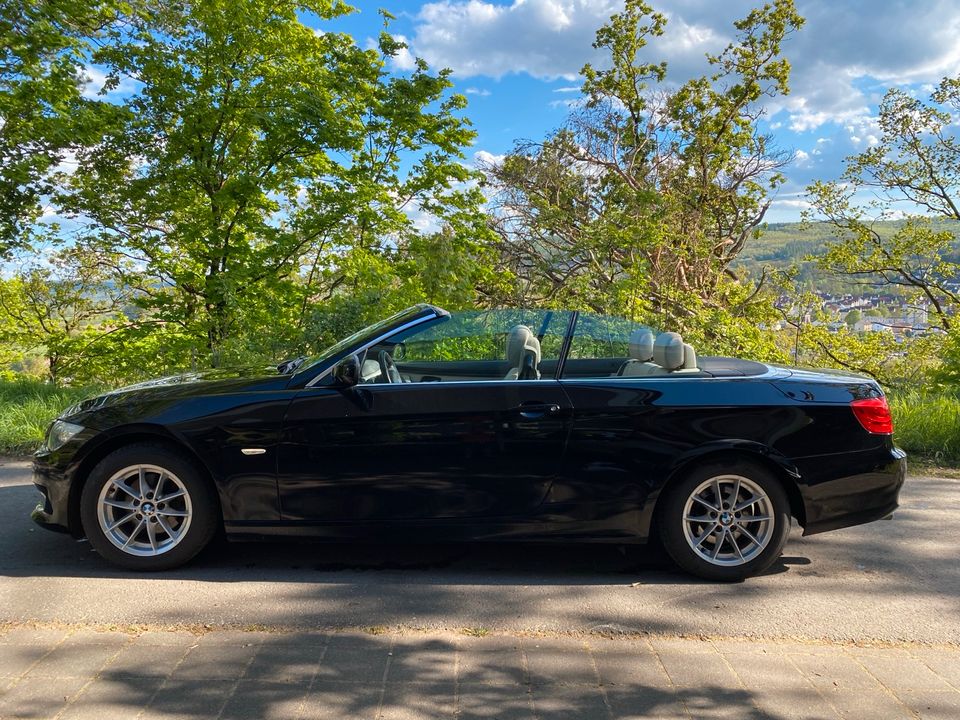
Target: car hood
x=204 y=382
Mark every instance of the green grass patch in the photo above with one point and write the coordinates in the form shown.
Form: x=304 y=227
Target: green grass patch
x=927 y=425
x=26 y=409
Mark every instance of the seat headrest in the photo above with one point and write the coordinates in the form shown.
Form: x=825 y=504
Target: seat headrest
x=669 y=351
x=641 y=345
x=521 y=341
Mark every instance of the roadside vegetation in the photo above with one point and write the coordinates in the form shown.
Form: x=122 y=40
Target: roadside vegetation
x=260 y=189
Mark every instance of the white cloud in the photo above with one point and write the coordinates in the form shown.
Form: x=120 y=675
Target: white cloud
x=484 y=158
x=94 y=80
x=569 y=89
x=479 y=92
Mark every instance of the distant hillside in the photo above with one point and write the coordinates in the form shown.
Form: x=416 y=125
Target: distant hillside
x=782 y=245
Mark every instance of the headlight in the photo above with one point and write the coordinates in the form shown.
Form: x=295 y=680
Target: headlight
x=60 y=433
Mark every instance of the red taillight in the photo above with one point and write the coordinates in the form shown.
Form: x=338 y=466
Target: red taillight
x=874 y=415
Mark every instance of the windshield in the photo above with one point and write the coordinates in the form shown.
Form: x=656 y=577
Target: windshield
x=371 y=331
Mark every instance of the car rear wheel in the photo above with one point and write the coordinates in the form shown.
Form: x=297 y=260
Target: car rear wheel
x=725 y=521
x=146 y=507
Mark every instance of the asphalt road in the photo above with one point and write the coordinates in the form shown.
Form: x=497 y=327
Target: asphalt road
x=896 y=580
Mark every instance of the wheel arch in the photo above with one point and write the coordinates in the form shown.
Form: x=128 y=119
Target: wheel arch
x=778 y=464
x=120 y=438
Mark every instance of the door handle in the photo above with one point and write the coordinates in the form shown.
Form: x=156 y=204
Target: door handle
x=534 y=410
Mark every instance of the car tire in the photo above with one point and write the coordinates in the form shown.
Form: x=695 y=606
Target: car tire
x=148 y=507
x=731 y=537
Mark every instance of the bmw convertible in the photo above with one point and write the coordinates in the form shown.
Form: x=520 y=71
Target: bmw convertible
x=503 y=425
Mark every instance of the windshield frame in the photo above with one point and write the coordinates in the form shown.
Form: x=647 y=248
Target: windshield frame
x=316 y=367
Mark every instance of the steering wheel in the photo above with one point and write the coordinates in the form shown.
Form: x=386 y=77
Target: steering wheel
x=388 y=367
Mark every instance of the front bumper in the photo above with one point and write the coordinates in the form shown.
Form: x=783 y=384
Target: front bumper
x=871 y=493
x=53 y=509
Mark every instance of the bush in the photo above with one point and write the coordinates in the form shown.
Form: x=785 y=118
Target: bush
x=927 y=425
x=27 y=407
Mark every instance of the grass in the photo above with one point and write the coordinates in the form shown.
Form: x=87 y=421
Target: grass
x=27 y=407
x=927 y=425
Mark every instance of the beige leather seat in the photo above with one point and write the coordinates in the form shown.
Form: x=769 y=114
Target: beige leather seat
x=523 y=353
x=672 y=354
x=641 y=356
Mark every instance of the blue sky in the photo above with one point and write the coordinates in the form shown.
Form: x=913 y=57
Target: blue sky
x=517 y=62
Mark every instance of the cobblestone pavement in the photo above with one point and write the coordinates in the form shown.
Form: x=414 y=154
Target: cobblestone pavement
x=80 y=672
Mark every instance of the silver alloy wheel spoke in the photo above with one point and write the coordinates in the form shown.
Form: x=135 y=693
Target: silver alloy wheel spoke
x=119 y=504
x=132 y=519
x=732 y=543
x=121 y=521
x=711 y=506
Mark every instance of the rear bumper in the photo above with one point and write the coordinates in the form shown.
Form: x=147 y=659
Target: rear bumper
x=861 y=497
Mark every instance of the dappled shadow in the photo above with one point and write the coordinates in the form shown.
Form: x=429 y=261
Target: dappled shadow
x=354 y=675
x=887 y=580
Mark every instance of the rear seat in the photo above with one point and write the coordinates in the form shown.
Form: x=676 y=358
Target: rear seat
x=669 y=355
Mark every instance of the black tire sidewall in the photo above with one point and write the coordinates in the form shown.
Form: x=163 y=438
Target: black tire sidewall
x=203 y=524
x=670 y=520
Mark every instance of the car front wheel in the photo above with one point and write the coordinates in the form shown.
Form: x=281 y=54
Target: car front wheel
x=146 y=507
x=725 y=521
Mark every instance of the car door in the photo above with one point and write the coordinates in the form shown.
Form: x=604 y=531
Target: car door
x=431 y=448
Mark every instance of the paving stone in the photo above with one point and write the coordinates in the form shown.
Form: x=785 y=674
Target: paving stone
x=342 y=701
x=558 y=702
x=158 y=637
x=418 y=701
x=233 y=637
x=834 y=672
x=190 y=698
x=75 y=660
x=751 y=647
x=495 y=702
x=17 y=659
x=759 y=672
x=38 y=697
x=628 y=701
x=857 y=705
x=112 y=698
x=563 y=662
x=99 y=637
x=254 y=700
x=903 y=672
x=931 y=705
x=699 y=670
x=141 y=661
x=628 y=663
x=224 y=661
x=795 y=702
x=492 y=660
x=423 y=659
x=286 y=663
x=40 y=637
x=945 y=663
x=719 y=703
x=354 y=662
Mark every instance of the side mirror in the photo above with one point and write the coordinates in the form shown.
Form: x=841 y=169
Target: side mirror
x=346 y=373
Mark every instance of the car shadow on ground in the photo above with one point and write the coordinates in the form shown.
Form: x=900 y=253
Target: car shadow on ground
x=27 y=550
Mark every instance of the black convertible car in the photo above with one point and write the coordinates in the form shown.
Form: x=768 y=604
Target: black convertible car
x=499 y=425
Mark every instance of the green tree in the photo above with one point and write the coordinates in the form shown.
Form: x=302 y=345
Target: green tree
x=61 y=307
x=647 y=195
x=261 y=162
x=915 y=167
x=853 y=317
x=43 y=114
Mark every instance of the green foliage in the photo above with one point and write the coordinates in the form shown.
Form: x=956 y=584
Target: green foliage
x=43 y=114
x=927 y=425
x=258 y=147
x=26 y=409
x=640 y=207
